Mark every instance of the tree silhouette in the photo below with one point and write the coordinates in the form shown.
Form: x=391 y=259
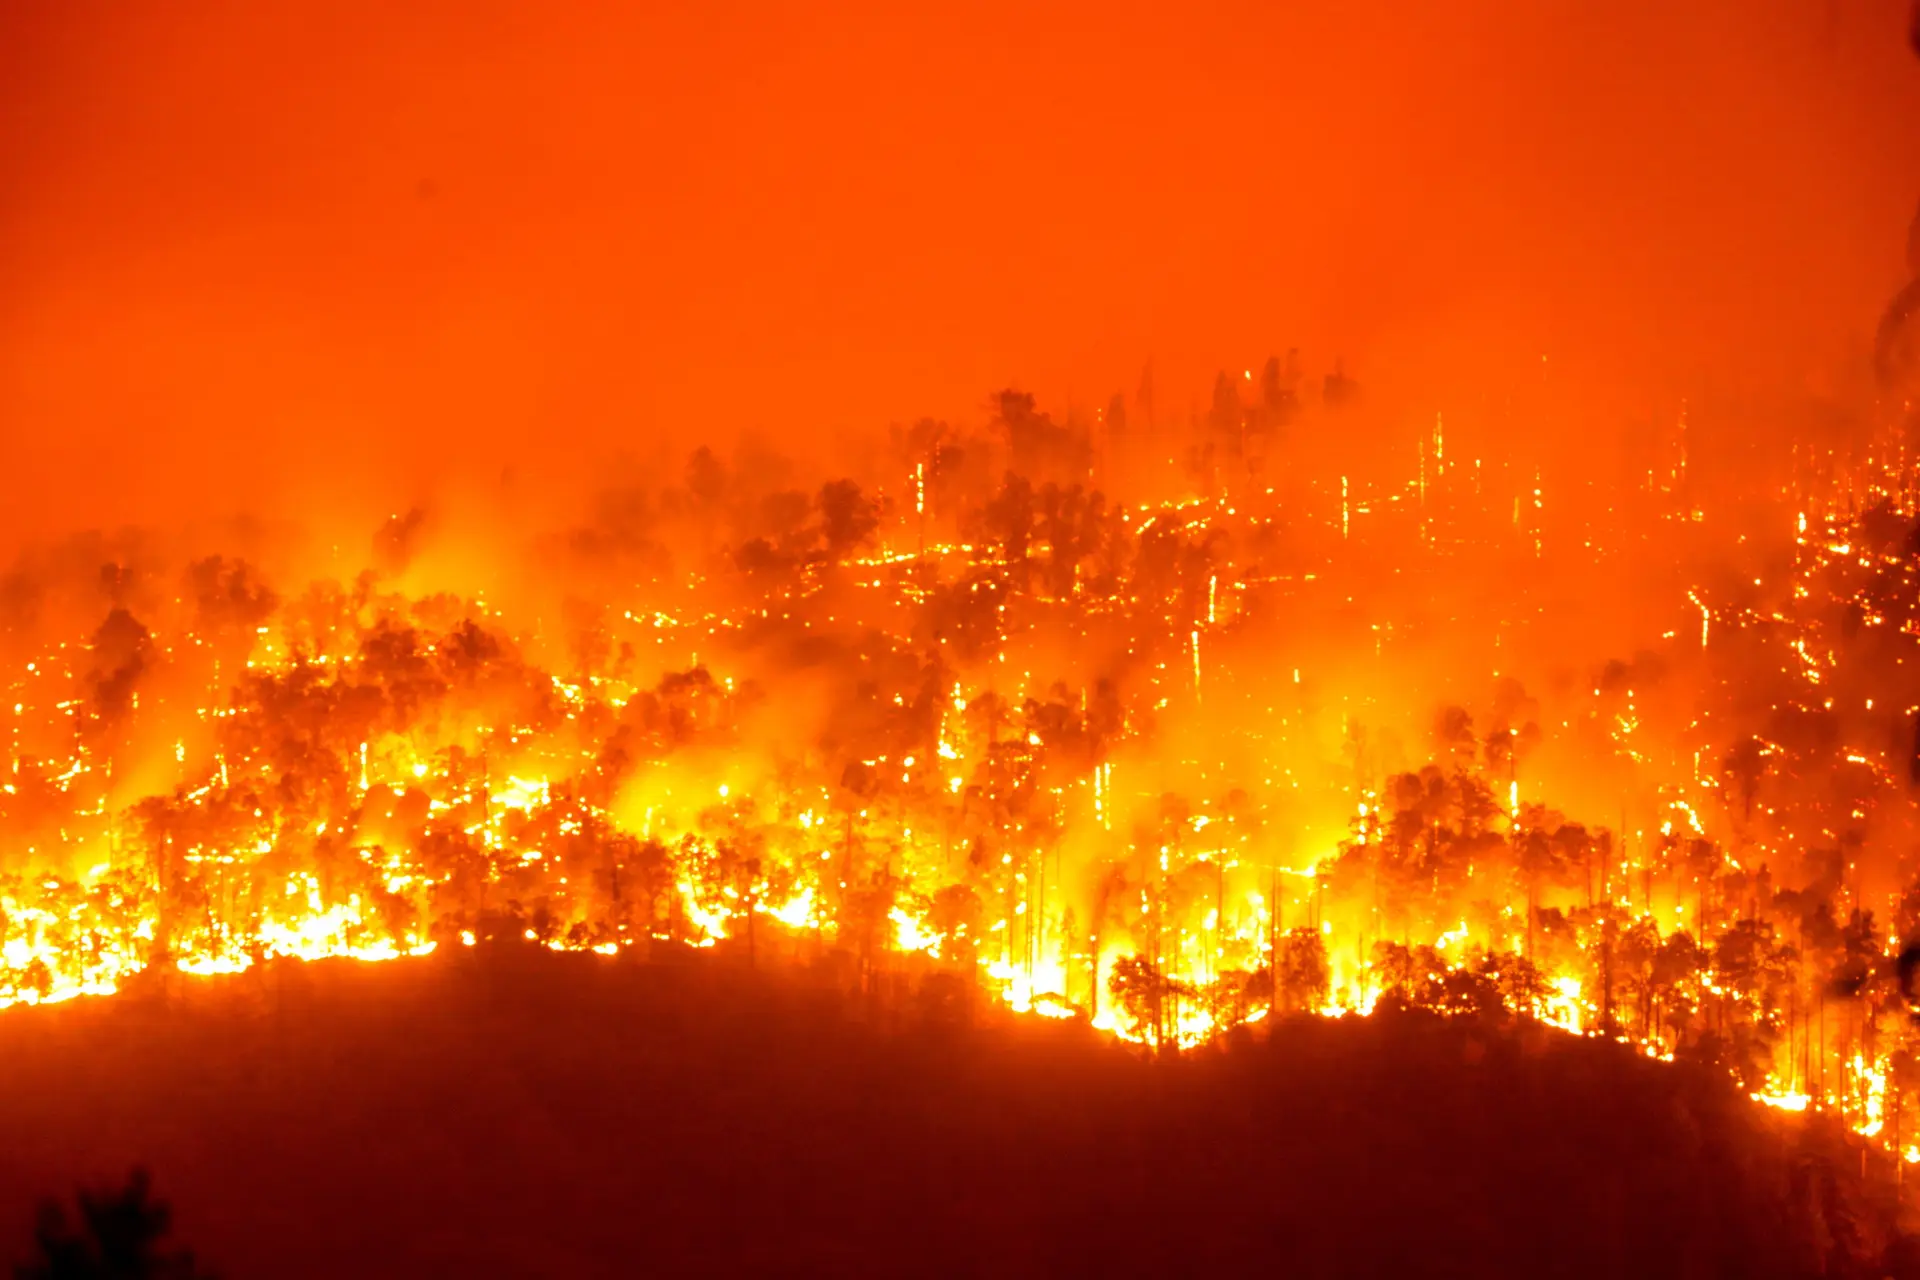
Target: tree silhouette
x=1275 y=397
x=121 y=652
x=847 y=519
x=1008 y=521
x=120 y=1235
x=1302 y=970
x=1149 y=999
x=1337 y=389
x=1743 y=768
x=1226 y=415
x=1039 y=446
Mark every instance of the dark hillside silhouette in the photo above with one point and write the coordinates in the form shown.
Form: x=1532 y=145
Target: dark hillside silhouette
x=500 y=1112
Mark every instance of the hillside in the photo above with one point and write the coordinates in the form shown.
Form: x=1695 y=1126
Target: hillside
x=501 y=1112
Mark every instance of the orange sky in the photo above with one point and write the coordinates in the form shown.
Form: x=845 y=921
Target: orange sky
x=253 y=250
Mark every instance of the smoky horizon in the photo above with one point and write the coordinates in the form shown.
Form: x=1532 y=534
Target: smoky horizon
x=317 y=259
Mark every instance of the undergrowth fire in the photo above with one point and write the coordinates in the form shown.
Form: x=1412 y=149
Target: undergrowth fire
x=1244 y=739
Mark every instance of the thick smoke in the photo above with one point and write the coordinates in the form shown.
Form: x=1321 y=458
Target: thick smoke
x=316 y=259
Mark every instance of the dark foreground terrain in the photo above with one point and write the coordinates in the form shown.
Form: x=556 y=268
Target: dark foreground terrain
x=501 y=1113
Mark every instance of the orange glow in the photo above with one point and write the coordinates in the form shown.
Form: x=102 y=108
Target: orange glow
x=516 y=523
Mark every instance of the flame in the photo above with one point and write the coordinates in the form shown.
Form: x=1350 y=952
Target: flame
x=1785 y=1100
x=406 y=772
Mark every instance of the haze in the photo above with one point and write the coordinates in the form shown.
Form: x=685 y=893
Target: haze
x=313 y=249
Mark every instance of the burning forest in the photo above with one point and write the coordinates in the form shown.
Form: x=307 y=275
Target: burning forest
x=1149 y=726
x=467 y=497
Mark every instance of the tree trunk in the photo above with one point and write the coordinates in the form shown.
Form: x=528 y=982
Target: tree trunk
x=1273 y=947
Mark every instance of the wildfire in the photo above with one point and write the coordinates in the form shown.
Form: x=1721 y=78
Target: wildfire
x=361 y=772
